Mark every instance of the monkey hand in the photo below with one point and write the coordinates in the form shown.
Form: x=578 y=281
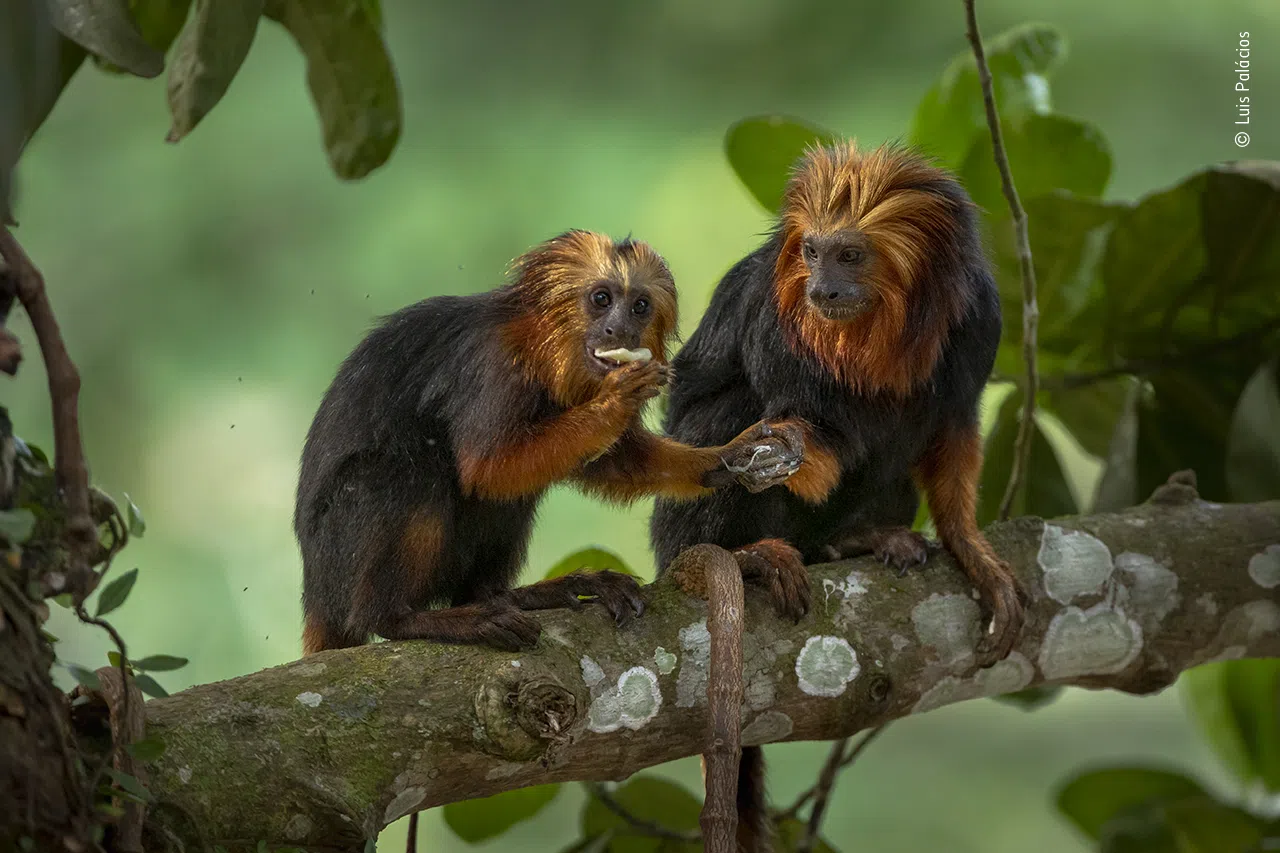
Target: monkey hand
x=762 y=456
x=626 y=389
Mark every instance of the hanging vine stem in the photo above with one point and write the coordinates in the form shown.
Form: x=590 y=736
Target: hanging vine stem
x=1030 y=309
x=64 y=393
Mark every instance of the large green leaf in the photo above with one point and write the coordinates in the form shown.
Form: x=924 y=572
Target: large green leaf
x=1237 y=704
x=351 y=79
x=1183 y=424
x=1044 y=491
x=1068 y=236
x=1091 y=412
x=951 y=113
x=1046 y=153
x=792 y=831
x=116 y=593
x=763 y=150
x=1031 y=698
x=1192 y=270
x=652 y=799
x=158 y=22
x=1093 y=798
x=210 y=50
x=1204 y=825
x=482 y=819
x=106 y=29
x=1253 y=439
x=594 y=558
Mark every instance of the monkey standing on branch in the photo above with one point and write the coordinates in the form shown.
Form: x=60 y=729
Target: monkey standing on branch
x=868 y=323
x=442 y=430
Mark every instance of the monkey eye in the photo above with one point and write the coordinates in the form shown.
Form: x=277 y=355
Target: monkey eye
x=850 y=255
x=601 y=298
x=641 y=307
x=809 y=251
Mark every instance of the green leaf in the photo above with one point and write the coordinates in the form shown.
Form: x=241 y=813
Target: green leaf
x=1118 y=486
x=113 y=658
x=1237 y=706
x=1046 y=153
x=1095 y=797
x=790 y=833
x=65 y=600
x=951 y=114
x=371 y=845
x=1044 y=490
x=351 y=80
x=481 y=819
x=133 y=515
x=129 y=784
x=1068 y=235
x=160 y=663
x=115 y=593
x=16 y=525
x=147 y=749
x=1155 y=256
x=160 y=21
x=649 y=798
x=1032 y=698
x=1090 y=413
x=149 y=686
x=87 y=678
x=764 y=149
x=209 y=52
x=1183 y=423
x=1204 y=825
x=106 y=29
x=1253 y=439
x=594 y=558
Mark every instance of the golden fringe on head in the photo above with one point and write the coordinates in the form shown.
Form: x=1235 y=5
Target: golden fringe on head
x=549 y=280
x=885 y=195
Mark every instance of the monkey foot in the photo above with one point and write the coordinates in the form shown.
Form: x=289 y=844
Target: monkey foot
x=778 y=567
x=492 y=623
x=899 y=547
x=1004 y=616
x=618 y=593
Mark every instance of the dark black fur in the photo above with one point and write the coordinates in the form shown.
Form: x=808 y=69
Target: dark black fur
x=383 y=444
x=738 y=368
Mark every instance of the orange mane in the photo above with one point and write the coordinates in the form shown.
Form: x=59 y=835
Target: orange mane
x=547 y=337
x=890 y=196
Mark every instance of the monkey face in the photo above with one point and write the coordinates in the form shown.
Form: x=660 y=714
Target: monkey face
x=617 y=319
x=837 y=285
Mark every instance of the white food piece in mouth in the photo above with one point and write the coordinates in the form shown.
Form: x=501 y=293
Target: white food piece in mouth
x=625 y=356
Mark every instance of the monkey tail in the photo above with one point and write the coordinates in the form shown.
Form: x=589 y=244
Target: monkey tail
x=318 y=636
x=755 y=829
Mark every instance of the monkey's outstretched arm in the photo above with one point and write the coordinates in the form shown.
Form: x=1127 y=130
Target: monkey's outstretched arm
x=643 y=464
x=555 y=449
x=551 y=453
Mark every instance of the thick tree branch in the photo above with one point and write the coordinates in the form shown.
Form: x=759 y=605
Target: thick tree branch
x=1022 y=241
x=326 y=751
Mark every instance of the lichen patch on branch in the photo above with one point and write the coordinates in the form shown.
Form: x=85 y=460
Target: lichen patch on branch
x=1074 y=563
x=826 y=665
x=1264 y=567
x=949 y=625
x=1099 y=641
x=1007 y=676
x=633 y=702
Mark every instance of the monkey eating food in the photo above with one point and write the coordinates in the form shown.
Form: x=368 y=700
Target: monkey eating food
x=442 y=430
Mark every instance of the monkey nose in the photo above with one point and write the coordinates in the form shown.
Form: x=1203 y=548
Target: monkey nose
x=608 y=331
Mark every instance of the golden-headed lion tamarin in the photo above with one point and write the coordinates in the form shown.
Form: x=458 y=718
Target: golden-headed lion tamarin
x=439 y=435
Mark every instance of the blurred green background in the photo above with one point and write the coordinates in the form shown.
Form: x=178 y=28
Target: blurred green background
x=208 y=291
